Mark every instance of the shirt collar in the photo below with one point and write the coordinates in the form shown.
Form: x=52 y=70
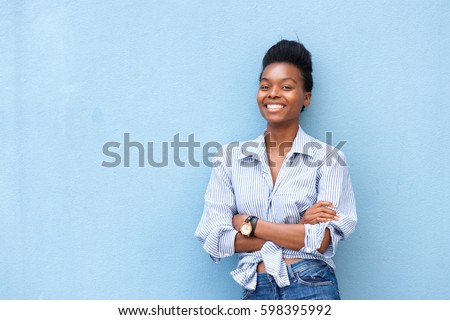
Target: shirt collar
x=257 y=148
x=302 y=143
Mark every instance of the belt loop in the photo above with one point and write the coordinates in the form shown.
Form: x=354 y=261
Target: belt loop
x=290 y=271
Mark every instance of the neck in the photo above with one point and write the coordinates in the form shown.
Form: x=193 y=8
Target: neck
x=282 y=134
x=279 y=139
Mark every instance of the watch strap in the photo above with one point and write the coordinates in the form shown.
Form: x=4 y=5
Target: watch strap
x=254 y=220
x=249 y=218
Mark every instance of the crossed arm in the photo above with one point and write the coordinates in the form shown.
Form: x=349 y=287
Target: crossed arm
x=289 y=236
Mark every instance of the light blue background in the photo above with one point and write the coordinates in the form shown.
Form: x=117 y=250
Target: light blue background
x=77 y=74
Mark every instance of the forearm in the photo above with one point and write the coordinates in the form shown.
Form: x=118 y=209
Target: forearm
x=289 y=236
x=244 y=244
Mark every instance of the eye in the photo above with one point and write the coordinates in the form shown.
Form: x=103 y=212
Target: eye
x=287 y=87
x=264 y=87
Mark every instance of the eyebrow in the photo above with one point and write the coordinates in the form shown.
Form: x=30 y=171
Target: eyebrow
x=284 y=79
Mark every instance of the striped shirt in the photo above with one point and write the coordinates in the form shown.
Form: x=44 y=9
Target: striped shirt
x=241 y=182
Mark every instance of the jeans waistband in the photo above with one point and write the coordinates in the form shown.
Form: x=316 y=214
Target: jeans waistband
x=292 y=268
x=301 y=265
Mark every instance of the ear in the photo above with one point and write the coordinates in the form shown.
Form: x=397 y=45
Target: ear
x=307 y=100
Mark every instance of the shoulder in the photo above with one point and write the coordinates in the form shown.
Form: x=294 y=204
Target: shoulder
x=239 y=150
x=321 y=152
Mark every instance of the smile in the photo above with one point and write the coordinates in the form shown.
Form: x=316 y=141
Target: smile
x=274 y=106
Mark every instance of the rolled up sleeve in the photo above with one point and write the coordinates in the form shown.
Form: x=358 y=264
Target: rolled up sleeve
x=333 y=185
x=215 y=229
x=313 y=236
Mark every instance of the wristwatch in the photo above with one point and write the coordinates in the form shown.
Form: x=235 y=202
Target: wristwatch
x=249 y=226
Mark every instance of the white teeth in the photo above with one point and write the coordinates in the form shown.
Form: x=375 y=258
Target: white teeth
x=274 y=106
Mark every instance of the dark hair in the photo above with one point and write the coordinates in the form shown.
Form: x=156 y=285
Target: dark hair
x=291 y=52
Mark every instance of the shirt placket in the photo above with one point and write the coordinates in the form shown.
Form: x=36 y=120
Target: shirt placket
x=273 y=188
x=267 y=177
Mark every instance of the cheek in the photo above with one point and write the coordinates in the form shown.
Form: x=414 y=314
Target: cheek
x=259 y=97
x=296 y=99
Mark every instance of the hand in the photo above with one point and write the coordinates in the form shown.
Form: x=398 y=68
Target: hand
x=238 y=220
x=322 y=211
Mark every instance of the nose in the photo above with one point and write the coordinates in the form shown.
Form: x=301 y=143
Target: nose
x=274 y=93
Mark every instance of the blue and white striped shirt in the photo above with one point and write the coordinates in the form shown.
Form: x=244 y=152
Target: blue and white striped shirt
x=241 y=182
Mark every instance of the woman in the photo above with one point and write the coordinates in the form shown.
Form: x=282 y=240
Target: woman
x=283 y=201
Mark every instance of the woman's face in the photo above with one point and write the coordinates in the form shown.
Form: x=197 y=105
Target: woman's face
x=281 y=94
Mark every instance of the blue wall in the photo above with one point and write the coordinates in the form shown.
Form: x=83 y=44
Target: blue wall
x=76 y=75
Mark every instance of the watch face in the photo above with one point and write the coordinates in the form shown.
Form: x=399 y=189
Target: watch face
x=246 y=229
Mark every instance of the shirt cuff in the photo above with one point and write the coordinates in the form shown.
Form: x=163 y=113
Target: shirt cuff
x=335 y=238
x=220 y=243
x=314 y=234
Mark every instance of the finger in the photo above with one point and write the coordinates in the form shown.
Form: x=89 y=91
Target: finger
x=327 y=218
x=319 y=220
x=333 y=215
x=321 y=204
x=329 y=211
x=325 y=204
x=321 y=209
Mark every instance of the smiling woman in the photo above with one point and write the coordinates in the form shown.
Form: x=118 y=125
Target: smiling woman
x=283 y=208
x=281 y=95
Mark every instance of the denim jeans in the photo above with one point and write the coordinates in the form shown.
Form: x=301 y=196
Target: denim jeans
x=310 y=280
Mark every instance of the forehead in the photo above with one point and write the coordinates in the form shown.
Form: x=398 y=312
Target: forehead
x=281 y=70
